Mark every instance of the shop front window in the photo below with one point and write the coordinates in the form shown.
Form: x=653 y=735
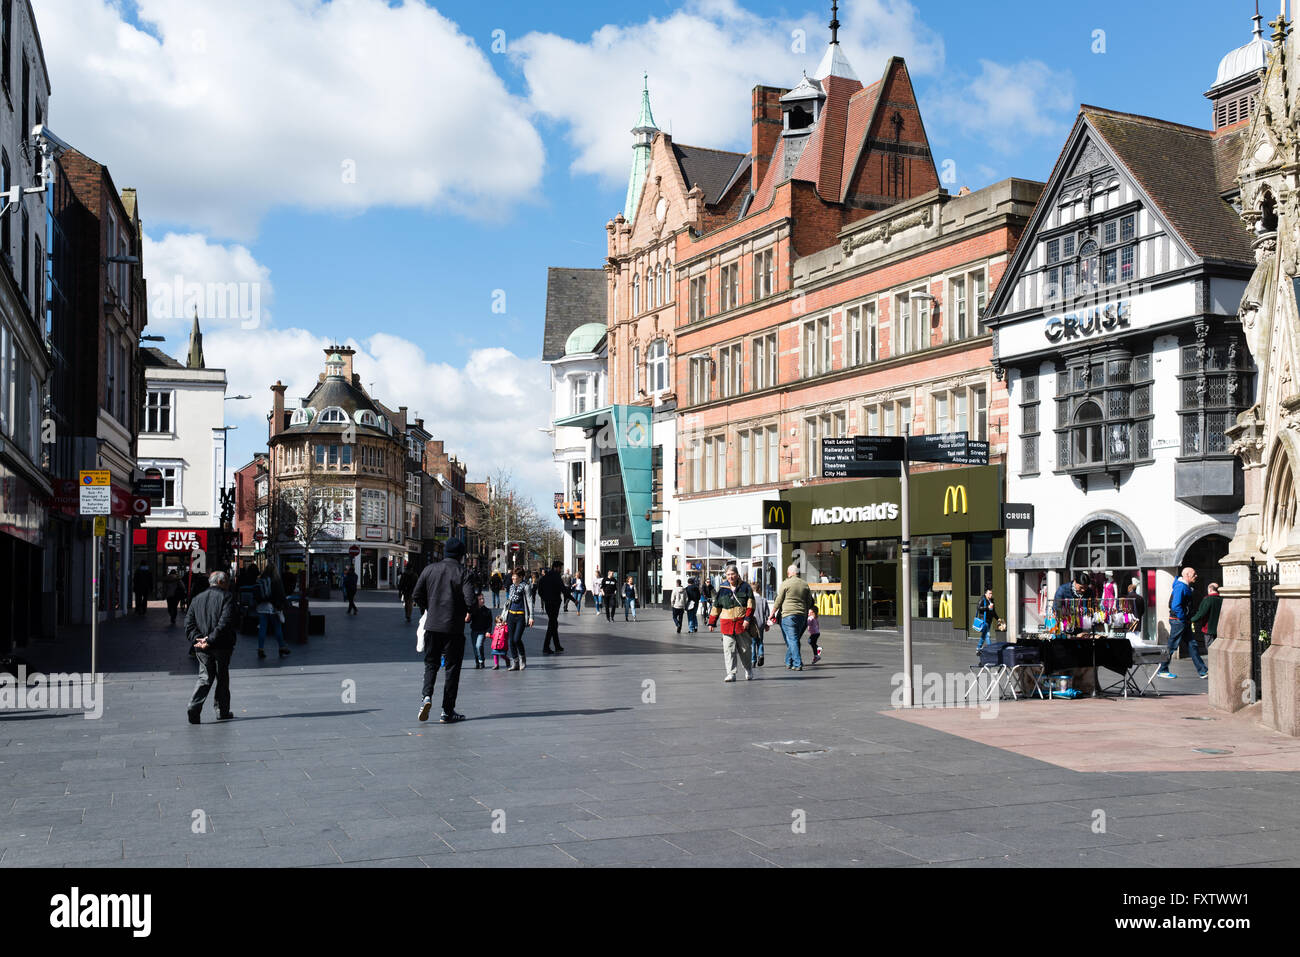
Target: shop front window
x=932 y=577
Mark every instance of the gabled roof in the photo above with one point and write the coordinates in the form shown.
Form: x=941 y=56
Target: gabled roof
x=1181 y=169
x=574 y=297
x=710 y=170
x=1184 y=172
x=156 y=358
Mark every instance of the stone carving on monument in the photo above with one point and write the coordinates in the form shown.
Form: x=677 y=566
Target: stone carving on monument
x=1266 y=437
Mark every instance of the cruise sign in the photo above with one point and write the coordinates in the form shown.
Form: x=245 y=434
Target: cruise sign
x=1089 y=322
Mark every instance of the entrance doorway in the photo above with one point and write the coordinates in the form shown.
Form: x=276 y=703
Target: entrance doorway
x=877 y=603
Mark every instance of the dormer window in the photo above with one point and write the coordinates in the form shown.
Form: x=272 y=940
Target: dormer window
x=366 y=417
x=302 y=416
x=334 y=416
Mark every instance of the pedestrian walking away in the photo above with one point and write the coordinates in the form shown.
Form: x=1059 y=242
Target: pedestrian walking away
x=1206 y=620
x=518 y=619
x=609 y=588
x=986 y=617
x=596 y=594
x=551 y=588
x=678 y=602
x=142 y=584
x=762 y=608
x=495 y=584
x=1180 y=613
x=567 y=580
x=350 y=590
x=480 y=628
x=629 y=599
x=733 y=611
x=174 y=592
x=794 y=599
x=692 y=605
x=210 y=628
x=445 y=594
x=706 y=596
x=406 y=585
x=269 y=595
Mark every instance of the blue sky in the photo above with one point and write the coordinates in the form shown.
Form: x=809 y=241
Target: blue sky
x=491 y=141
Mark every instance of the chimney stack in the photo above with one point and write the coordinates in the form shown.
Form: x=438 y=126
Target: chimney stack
x=765 y=130
x=277 y=409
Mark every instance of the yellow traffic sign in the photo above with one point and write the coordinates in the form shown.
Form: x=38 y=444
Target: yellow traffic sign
x=101 y=526
x=96 y=477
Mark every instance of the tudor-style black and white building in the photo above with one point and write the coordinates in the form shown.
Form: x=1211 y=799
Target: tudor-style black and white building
x=1116 y=329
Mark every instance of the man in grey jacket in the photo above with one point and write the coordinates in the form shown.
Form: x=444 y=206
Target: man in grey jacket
x=210 y=627
x=445 y=594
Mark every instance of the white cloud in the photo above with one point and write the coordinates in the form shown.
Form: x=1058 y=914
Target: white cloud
x=488 y=411
x=222 y=111
x=1004 y=105
x=185 y=272
x=703 y=62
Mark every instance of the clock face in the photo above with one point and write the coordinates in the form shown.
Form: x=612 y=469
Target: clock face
x=661 y=209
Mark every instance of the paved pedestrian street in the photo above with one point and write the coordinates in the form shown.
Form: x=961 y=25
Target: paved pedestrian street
x=627 y=750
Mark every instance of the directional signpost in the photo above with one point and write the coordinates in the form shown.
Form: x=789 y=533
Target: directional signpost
x=874 y=455
x=840 y=460
x=96 y=487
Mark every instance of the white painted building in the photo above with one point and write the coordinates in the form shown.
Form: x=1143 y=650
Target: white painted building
x=1116 y=328
x=578 y=386
x=182 y=437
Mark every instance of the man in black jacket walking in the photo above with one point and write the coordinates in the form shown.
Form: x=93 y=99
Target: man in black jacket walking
x=445 y=594
x=551 y=590
x=210 y=627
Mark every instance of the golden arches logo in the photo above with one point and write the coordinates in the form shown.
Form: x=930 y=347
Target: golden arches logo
x=776 y=515
x=955 y=495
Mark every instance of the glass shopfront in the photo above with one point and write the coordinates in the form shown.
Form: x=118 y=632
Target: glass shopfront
x=850 y=536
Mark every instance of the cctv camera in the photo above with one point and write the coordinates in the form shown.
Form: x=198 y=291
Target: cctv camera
x=56 y=145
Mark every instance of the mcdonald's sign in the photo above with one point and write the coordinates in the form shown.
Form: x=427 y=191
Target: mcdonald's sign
x=955 y=495
x=776 y=515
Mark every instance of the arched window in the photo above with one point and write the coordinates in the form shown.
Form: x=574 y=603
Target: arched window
x=668 y=282
x=659 y=286
x=1100 y=548
x=302 y=416
x=334 y=416
x=636 y=294
x=657 y=366
x=1088 y=432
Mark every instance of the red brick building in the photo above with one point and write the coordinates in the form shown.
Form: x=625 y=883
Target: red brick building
x=835 y=290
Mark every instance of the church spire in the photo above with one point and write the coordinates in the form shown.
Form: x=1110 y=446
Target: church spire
x=643 y=135
x=195 y=359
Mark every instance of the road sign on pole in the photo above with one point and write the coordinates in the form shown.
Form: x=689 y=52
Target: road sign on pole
x=96 y=477
x=96 y=500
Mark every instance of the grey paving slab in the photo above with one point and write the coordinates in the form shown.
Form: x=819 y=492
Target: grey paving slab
x=586 y=773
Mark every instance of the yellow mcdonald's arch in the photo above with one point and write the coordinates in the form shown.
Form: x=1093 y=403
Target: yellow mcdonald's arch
x=955 y=494
x=776 y=515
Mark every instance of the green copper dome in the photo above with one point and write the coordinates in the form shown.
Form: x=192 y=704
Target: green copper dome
x=584 y=339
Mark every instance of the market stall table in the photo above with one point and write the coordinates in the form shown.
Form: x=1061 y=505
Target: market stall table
x=1087 y=652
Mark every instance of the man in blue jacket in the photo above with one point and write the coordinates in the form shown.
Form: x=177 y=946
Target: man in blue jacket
x=1180 y=613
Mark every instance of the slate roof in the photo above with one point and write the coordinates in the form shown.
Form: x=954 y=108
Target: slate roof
x=711 y=170
x=156 y=358
x=574 y=297
x=1181 y=168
